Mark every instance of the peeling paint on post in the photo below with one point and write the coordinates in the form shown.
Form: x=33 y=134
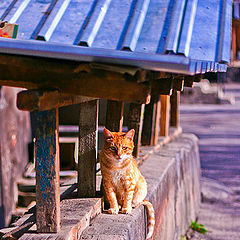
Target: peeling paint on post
x=47 y=171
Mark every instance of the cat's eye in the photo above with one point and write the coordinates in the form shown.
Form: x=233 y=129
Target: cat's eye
x=113 y=148
x=124 y=148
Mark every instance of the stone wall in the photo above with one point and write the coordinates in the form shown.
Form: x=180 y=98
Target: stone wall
x=15 y=135
x=173 y=177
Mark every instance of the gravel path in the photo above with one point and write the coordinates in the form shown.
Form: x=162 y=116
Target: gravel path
x=218 y=129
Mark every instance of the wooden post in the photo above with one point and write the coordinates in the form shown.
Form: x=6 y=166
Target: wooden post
x=234 y=42
x=151 y=122
x=88 y=127
x=47 y=171
x=174 y=113
x=157 y=121
x=135 y=121
x=164 y=122
x=114 y=116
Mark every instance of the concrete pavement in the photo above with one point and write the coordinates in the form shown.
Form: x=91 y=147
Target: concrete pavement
x=218 y=129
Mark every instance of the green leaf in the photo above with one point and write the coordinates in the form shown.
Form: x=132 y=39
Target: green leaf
x=198 y=227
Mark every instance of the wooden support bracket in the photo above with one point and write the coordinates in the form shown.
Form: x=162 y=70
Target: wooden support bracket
x=47 y=171
x=40 y=100
x=178 y=83
x=188 y=81
x=88 y=127
x=162 y=86
x=174 y=111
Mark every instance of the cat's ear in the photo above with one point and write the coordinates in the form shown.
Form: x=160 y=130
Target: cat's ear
x=130 y=134
x=107 y=134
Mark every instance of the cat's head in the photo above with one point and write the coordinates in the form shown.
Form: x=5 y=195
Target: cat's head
x=118 y=145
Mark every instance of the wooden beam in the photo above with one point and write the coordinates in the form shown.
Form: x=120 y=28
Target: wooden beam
x=178 y=83
x=88 y=127
x=70 y=77
x=135 y=121
x=164 y=122
x=188 y=81
x=114 y=116
x=47 y=171
x=41 y=100
x=174 y=112
x=161 y=87
x=151 y=122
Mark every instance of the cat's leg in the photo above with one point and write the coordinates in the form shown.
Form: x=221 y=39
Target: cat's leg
x=111 y=195
x=128 y=197
x=140 y=192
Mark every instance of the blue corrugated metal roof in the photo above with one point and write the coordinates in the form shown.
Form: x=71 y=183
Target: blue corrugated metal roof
x=194 y=33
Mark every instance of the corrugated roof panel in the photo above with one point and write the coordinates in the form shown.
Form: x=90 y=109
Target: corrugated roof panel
x=5 y=6
x=111 y=31
x=27 y=23
x=206 y=41
x=95 y=22
x=154 y=31
x=175 y=27
x=198 y=29
x=65 y=21
x=187 y=27
x=205 y=31
x=225 y=31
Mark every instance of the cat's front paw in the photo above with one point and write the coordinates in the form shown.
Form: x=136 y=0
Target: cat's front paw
x=113 y=210
x=127 y=210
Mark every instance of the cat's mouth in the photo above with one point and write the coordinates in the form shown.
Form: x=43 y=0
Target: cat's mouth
x=122 y=157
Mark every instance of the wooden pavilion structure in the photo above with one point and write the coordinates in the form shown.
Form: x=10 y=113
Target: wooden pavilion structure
x=142 y=52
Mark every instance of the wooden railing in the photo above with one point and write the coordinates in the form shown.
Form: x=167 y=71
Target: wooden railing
x=149 y=121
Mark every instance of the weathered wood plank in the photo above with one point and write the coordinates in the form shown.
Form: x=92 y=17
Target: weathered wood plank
x=41 y=100
x=88 y=127
x=164 y=122
x=157 y=121
x=150 y=125
x=178 y=83
x=174 y=109
x=70 y=77
x=189 y=80
x=47 y=171
x=135 y=121
x=114 y=116
x=162 y=86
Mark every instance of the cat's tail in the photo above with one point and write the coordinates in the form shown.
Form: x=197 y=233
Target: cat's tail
x=151 y=217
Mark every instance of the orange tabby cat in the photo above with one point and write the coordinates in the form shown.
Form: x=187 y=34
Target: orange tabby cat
x=123 y=182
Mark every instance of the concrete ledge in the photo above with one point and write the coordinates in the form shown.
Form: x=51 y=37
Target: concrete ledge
x=76 y=215
x=172 y=174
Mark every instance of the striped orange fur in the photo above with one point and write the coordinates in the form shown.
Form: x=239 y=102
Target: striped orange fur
x=125 y=186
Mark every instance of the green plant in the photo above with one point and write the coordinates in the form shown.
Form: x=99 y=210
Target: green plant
x=198 y=227
x=183 y=238
x=194 y=227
